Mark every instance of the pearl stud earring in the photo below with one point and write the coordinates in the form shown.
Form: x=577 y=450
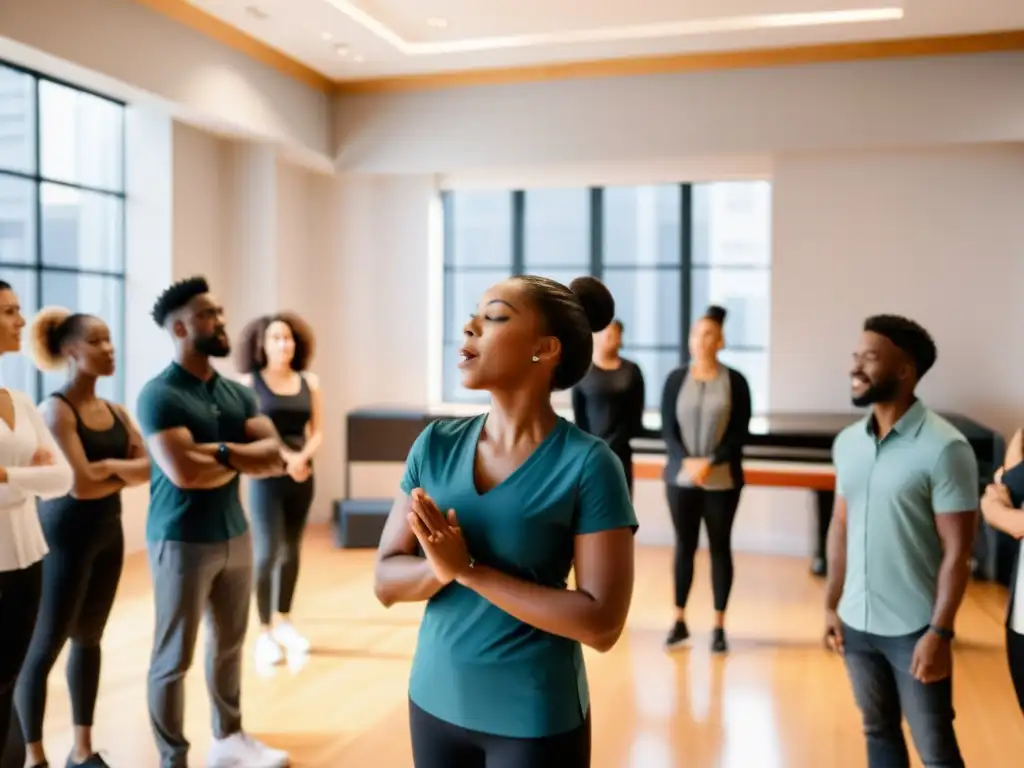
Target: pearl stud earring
x=536 y=359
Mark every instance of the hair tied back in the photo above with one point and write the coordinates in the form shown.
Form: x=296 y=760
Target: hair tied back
x=596 y=300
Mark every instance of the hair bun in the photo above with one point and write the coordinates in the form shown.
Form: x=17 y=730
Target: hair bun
x=597 y=301
x=44 y=340
x=716 y=313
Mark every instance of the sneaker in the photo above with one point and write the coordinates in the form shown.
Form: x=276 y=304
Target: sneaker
x=718 y=642
x=289 y=638
x=678 y=635
x=93 y=761
x=268 y=652
x=239 y=750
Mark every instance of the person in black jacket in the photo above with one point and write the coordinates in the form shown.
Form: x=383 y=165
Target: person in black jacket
x=705 y=417
x=609 y=401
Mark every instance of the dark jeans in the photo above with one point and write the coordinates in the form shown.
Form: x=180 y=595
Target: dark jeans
x=879 y=669
x=439 y=744
x=718 y=511
x=1015 y=657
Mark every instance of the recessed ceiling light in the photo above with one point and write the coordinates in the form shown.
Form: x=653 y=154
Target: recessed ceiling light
x=341 y=50
x=358 y=58
x=326 y=36
x=437 y=23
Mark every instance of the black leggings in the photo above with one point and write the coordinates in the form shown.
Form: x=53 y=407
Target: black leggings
x=718 y=511
x=279 y=510
x=1015 y=656
x=80 y=578
x=438 y=744
x=19 y=603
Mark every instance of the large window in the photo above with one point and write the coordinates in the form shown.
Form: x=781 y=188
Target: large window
x=62 y=217
x=666 y=252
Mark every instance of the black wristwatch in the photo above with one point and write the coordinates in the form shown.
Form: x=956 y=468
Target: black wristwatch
x=945 y=634
x=224 y=456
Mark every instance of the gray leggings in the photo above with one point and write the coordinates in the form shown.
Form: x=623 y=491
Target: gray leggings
x=279 y=508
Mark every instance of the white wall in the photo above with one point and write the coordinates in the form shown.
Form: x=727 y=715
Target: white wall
x=661 y=118
x=936 y=234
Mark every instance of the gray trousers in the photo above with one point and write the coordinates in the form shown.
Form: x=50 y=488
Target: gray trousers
x=188 y=581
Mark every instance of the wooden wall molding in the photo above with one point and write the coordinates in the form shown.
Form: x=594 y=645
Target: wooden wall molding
x=755 y=58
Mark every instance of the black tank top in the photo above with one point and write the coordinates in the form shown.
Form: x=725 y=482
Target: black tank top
x=98 y=444
x=112 y=443
x=290 y=413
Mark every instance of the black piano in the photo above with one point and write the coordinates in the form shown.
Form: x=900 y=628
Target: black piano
x=385 y=434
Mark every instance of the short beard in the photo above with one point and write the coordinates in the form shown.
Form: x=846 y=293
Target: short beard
x=213 y=346
x=882 y=392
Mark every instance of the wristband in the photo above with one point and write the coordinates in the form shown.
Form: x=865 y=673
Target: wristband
x=223 y=456
x=945 y=634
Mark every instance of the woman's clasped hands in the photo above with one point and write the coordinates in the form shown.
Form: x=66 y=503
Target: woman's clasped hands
x=440 y=537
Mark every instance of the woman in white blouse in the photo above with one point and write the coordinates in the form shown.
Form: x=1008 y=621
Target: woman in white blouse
x=31 y=465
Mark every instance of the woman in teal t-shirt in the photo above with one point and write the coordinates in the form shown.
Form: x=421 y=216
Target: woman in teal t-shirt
x=498 y=678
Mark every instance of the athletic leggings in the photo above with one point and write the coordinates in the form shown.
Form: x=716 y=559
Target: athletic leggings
x=718 y=511
x=19 y=604
x=438 y=744
x=1015 y=656
x=279 y=510
x=80 y=578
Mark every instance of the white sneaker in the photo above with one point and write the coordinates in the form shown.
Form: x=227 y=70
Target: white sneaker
x=289 y=638
x=239 y=750
x=268 y=652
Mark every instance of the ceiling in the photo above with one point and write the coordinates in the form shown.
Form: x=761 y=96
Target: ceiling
x=363 y=39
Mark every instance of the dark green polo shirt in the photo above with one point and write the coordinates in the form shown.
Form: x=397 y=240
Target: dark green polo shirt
x=476 y=666
x=214 y=411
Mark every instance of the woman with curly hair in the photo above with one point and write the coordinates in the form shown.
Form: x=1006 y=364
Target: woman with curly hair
x=274 y=355
x=83 y=529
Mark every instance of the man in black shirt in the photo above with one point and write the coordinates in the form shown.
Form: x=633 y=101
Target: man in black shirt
x=609 y=401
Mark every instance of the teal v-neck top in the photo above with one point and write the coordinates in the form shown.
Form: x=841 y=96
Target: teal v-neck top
x=476 y=666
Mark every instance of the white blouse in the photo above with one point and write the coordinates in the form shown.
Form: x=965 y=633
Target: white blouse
x=21 y=536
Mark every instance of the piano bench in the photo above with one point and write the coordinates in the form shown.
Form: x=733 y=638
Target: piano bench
x=359 y=523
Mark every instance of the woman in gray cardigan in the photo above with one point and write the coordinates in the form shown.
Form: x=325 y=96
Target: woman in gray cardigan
x=705 y=418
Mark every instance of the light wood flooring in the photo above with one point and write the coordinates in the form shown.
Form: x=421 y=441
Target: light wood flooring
x=776 y=701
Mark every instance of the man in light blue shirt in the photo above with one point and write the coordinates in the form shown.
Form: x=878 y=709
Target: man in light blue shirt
x=899 y=548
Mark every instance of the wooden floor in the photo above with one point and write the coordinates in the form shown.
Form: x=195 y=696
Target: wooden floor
x=776 y=701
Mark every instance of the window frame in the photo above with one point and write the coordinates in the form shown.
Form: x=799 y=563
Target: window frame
x=686 y=266
x=39 y=179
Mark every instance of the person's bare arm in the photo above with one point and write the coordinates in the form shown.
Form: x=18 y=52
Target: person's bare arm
x=261 y=455
x=133 y=470
x=835 y=550
x=956 y=532
x=314 y=429
x=92 y=479
x=401 y=574
x=594 y=613
x=187 y=464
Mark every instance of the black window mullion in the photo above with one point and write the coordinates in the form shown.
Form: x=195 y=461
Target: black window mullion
x=448 y=224
x=37 y=264
x=518 y=232
x=597 y=232
x=686 y=269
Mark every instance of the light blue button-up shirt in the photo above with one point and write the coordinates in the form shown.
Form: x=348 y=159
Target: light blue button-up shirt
x=893 y=489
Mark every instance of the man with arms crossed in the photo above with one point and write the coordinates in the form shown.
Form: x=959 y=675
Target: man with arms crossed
x=899 y=548
x=202 y=430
